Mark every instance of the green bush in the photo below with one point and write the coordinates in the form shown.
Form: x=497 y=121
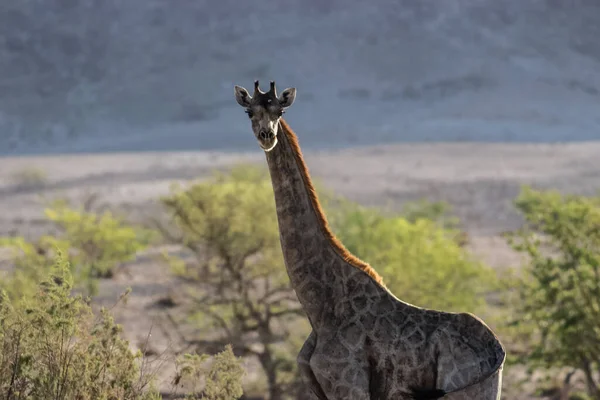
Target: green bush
x=419 y=258
x=222 y=380
x=438 y=211
x=97 y=243
x=52 y=347
x=557 y=305
x=237 y=281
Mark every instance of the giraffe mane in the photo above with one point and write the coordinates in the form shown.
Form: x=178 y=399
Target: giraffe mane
x=312 y=194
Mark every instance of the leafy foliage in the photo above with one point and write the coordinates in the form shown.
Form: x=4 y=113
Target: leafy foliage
x=558 y=298
x=434 y=211
x=97 y=244
x=223 y=380
x=53 y=347
x=236 y=273
x=419 y=258
x=101 y=240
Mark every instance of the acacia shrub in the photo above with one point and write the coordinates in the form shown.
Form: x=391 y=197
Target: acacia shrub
x=222 y=378
x=417 y=252
x=53 y=347
x=238 y=290
x=95 y=245
x=557 y=296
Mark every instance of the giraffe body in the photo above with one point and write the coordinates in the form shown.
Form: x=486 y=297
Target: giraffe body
x=365 y=343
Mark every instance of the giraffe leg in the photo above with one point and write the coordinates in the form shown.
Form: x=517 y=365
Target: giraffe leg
x=308 y=377
x=340 y=372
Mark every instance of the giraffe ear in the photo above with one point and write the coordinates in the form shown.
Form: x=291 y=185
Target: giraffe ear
x=287 y=97
x=242 y=96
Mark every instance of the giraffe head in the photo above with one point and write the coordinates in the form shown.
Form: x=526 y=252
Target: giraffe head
x=264 y=110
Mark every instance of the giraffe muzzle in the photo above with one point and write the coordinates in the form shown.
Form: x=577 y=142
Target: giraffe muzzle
x=267 y=140
x=266 y=135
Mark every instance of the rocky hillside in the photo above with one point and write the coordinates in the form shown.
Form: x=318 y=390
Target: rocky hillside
x=107 y=75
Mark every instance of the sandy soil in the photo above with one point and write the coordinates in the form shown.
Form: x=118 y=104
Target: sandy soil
x=478 y=180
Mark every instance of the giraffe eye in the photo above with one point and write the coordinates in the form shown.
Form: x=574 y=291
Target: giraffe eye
x=250 y=113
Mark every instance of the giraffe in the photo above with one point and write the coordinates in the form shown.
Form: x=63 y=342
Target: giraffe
x=365 y=343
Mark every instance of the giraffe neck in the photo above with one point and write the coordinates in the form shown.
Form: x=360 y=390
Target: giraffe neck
x=317 y=263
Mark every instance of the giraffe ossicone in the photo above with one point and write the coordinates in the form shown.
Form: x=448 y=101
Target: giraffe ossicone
x=365 y=343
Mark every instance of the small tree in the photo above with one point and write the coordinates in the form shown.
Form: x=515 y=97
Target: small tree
x=96 y=243
x=53 y=347
x=222 y=380
x=558 y=296
x=236 y=273
x=418 y=253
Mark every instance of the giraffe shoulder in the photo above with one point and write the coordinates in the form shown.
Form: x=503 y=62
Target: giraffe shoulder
x=468 y=345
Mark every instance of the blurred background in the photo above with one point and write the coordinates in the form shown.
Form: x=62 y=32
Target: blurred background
x=90 y=75
x=455 y=144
